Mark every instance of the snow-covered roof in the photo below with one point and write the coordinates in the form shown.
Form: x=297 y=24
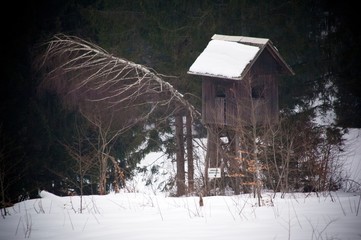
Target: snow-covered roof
x=232 y=56
x=224 y=58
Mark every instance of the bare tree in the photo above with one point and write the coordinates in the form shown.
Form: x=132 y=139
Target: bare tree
x=103 y=147
x=112 y=93
x=84 y=158
x=277 y=153
x=10 y=173
x=301 y=156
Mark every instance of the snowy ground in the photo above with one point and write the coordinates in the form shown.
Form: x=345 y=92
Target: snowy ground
x=145 y=213
x=352 y=154
x=145 y=216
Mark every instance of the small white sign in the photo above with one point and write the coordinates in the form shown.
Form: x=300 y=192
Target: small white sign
x=214 y=172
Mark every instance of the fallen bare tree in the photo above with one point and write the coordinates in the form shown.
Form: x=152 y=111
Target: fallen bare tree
x=112 y=93
x=85 y=75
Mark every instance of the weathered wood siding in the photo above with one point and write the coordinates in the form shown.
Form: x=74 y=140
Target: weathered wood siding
x=238 y=105
x=252 y=100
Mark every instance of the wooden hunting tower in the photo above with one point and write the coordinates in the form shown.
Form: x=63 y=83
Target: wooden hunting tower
x=239 y=89
x=239 y=80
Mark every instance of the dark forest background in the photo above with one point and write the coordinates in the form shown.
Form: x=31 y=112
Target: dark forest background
x=320 y=40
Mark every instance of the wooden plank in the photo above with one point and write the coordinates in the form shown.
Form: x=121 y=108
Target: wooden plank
x=241 y=39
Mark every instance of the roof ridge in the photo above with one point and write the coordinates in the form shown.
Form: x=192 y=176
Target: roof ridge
x=241 y=39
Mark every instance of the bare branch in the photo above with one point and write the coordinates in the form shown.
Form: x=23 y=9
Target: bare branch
x=112 y=93
x=85 y=74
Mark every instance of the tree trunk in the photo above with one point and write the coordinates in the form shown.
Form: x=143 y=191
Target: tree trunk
x=180 y=178
x=102 y=175
x=235 y=165
x=212 y=156
x=190 y=153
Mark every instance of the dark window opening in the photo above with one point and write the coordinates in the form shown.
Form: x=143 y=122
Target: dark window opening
x=258 y=92
x=220 y=91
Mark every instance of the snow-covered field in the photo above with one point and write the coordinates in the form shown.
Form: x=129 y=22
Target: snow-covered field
x=146 y=213
x=145 y=216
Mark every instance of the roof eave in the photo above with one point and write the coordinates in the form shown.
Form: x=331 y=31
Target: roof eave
x=218 y=76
